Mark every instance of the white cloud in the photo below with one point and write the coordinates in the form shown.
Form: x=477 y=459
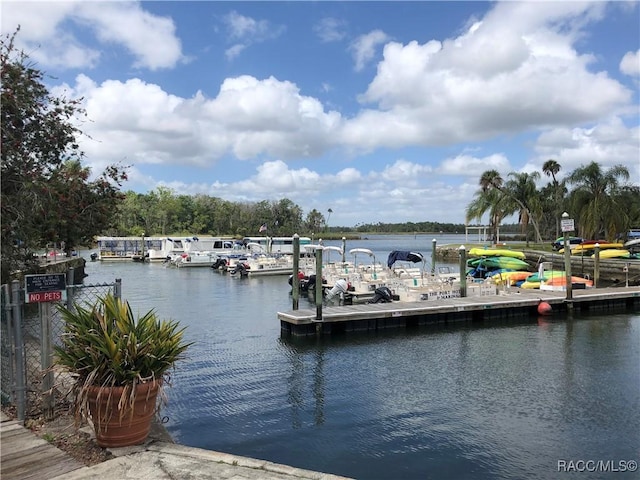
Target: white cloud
x=245 y=31
x=150 y=39
x=630 y=64
x=330 y=29
x=363 y=48
x=473 y=166
x=249 y=118
x=515 y=70
x=608 y=143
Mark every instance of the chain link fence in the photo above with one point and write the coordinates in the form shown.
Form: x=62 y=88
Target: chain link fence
x=29 y=332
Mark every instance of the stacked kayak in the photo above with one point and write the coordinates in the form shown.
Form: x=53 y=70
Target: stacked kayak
x=553 y=278
x=587 y=248
x=495 y=252
x=494 y=263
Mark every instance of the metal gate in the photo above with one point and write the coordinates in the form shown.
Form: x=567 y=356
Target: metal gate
x=27 y=336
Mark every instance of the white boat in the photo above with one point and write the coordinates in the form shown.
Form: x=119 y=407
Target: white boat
x=112 y=249
x=195 y=259
x=171 y=248
x=262 y=264
x=277 y=245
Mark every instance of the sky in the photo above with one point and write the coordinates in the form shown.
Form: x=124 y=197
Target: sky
x=378 y=111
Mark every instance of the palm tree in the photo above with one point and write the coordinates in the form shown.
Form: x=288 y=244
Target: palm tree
x=522 y=189
x=595 y=200
x=328 y=217
x=520 y=195
x=551 y=168
x=489 y=200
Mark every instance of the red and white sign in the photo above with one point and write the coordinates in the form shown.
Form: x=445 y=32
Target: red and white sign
x=45 y=297
x=50 y=287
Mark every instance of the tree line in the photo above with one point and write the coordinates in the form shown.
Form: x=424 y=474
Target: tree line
x=601 y=202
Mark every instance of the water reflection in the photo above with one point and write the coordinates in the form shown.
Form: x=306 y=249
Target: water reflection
x=440 y=401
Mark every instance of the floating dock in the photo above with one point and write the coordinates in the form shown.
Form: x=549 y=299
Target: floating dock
x=511 y=305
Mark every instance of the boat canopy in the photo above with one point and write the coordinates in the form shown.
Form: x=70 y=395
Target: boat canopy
x=355 y=251
x=404 y=256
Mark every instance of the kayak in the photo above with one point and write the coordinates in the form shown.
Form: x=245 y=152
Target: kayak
x=556 y=281
x=509 y=278
x=490 y=263
x=495 y=252
x=587 y=248
x=616 y=253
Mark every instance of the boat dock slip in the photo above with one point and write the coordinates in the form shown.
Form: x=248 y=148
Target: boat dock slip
x=517 y=303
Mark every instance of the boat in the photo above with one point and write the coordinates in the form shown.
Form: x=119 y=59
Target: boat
x=576 y=282
x=166 y=249
x=495 y=252
x=586 y=248
x=617 y=253
x=263 y=264
x=494 y=263
x=277 y=245
x=510 y=277
x=573 y=242
x=117 y=249
x=195 y=259
x=633 y=245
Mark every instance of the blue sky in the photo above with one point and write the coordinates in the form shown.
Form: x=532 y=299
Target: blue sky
x=380 y=111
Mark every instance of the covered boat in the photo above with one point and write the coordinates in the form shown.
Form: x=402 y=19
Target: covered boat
x=404 y=256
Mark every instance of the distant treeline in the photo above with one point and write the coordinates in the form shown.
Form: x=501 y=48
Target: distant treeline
x=162 y=212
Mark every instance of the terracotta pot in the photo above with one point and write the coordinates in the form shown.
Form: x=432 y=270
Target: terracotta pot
x=116 y=428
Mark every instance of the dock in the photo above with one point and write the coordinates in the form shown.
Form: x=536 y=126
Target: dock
x=507 y=305
x=26 y=456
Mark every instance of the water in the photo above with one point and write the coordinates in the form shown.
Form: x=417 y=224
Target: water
x=503 y=402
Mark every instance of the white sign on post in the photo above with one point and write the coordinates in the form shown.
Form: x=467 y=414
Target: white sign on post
x=566 y=225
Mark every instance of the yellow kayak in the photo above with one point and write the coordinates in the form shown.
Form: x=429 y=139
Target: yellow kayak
x=587 y=248
x=495 y=252
x=615 y=253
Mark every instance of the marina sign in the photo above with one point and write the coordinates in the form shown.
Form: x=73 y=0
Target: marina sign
x=50 y=287
x=567 y=225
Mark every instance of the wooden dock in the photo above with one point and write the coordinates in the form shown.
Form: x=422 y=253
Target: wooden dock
x=516 y=304
x=24 y=455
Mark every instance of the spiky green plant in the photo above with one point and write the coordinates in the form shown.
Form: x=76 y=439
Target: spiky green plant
x=105 y=345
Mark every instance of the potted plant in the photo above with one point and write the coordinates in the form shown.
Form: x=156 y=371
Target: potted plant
x=121 y=364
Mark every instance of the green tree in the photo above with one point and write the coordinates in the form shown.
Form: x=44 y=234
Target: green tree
x=595 y=200
x=521 y=188
x=551 y=168
x=487 y=200
x=517 y=195
x=314 y=221
x=46 y=194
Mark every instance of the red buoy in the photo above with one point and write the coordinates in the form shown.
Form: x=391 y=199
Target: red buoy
x=544 y=308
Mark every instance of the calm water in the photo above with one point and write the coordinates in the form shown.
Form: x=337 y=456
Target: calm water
x=503 y=402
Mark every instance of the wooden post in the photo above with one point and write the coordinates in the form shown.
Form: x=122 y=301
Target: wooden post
x=433 y=256
x=295 y=281
x=567 y=267
x=318 y=287
x=344 y=249
x=567 y=227
x=463 y=271
x=596 y=265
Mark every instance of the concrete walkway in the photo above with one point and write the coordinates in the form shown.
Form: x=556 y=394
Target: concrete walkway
x=25 y=455
x=169 y=461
